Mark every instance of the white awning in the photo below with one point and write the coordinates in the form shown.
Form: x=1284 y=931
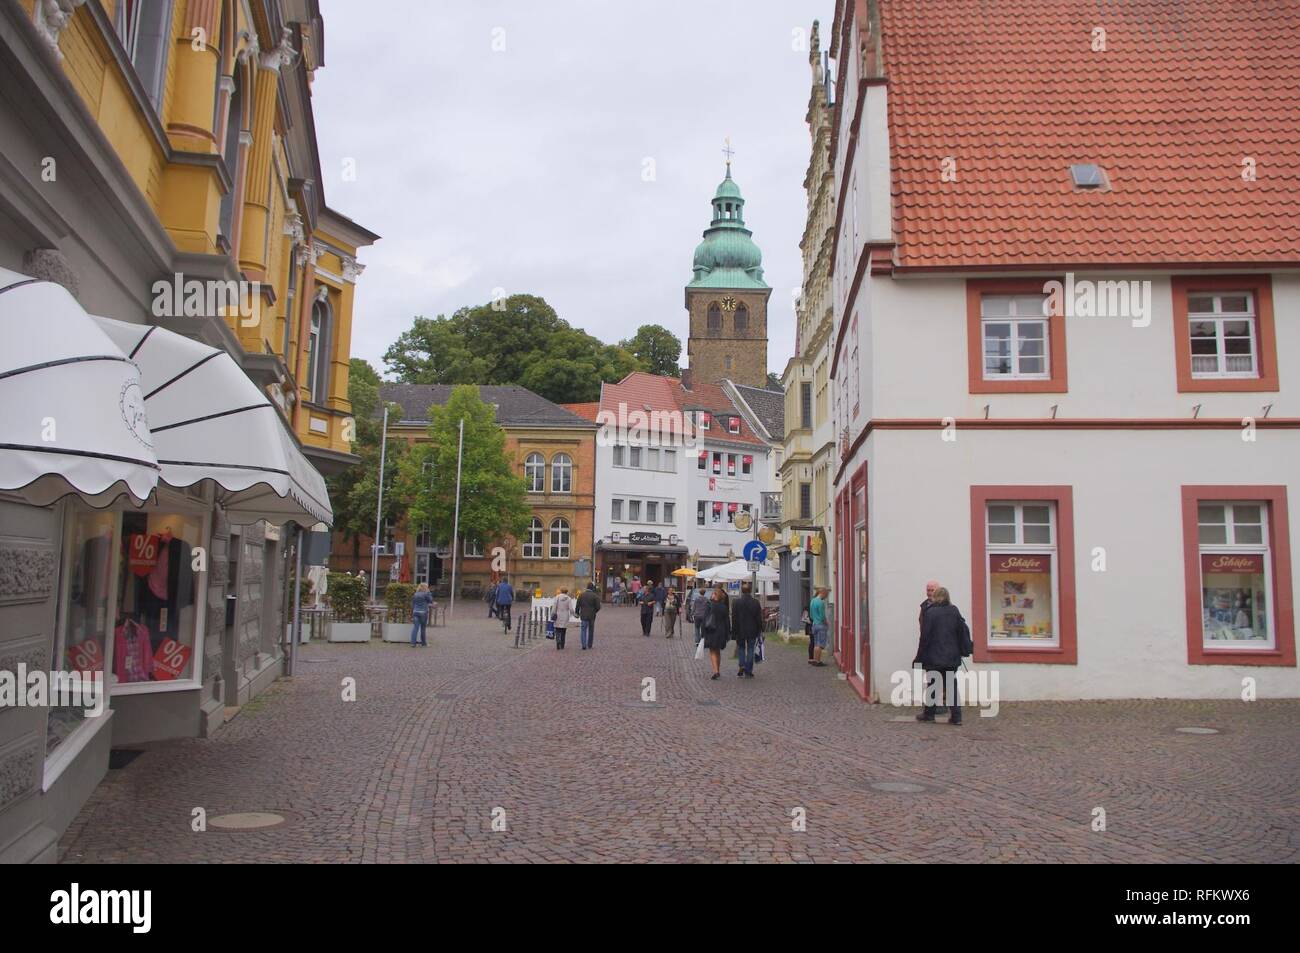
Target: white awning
x=211 y=423
x=72 y=416
x=738 y=571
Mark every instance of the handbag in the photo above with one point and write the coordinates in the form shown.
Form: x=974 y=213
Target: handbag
x=759 y=653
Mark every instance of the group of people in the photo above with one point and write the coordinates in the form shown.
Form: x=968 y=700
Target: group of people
x=658 y=600
x=500 y=597
x=584 y=608
x=945 y=640
x=719 y=620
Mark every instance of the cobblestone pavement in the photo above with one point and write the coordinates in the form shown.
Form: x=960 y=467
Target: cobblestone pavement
x=581 y=769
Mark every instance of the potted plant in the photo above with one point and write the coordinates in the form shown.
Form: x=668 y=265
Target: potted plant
x=347 y=596
x=398 y=599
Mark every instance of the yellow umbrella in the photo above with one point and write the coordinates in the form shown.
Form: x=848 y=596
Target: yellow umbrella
x=684 y=571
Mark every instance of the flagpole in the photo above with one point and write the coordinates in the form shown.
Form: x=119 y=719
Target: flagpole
x=379 y=512
x=455 y=529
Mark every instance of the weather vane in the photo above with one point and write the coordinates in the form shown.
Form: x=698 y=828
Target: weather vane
x=728 y=152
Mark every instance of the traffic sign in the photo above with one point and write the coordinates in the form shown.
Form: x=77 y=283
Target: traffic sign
x=754 y=552
x=753 y=566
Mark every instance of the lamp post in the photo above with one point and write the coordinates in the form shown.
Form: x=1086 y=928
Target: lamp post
x=455 y=528
x=379 y=512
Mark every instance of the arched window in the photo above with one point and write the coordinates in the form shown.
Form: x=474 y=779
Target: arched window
x=535 y=472
x=318 y=350
x=715 y=317
x=562 y=473
x=560 y=538
x=533 y=541
x=742 y=317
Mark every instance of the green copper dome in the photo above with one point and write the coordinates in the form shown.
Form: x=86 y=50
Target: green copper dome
x=728 y=257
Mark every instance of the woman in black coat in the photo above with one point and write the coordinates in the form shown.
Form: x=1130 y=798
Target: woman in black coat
x=945 y=638
x=717 y=628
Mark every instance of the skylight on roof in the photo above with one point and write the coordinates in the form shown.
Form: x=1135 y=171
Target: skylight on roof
x=1087 y=175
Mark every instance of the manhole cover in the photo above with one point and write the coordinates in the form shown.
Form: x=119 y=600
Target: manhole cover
x=898 y=787
x=119 y=758
x=246 y=821
x=1197 y=730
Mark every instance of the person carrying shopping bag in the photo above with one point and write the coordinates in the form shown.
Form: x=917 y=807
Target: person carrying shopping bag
x=717 y=629
x=561 y=614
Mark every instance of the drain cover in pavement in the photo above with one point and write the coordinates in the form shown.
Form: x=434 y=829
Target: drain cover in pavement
x=1197 y=730
x=246 y=821
x=898 y=787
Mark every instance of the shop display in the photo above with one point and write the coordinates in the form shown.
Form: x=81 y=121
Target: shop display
x=1021 y=585
x=1233 y=597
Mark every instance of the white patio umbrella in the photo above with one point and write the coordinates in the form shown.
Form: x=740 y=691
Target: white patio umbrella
x=738 y=571
x=72 y=416
x=212 y=424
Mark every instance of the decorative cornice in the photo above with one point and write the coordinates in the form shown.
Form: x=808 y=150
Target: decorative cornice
x=352 y=270
x=282 y=55
x=293 y=227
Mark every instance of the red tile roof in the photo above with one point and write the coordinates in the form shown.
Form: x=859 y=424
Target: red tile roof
x=1183 y=93
x=640 y=390
x=587 y=410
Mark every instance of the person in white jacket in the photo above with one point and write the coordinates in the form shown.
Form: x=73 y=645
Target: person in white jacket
x=561 y=614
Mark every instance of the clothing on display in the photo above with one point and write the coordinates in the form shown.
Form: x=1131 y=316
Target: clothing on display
x=132 y=652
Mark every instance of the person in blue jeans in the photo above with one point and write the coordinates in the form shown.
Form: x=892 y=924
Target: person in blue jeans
x=746 y=628
x=421 y=603
x=505 y=599
x=819 y=628
x=588 y=606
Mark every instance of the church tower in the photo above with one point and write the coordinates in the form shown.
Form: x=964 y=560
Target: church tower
x=727 y=298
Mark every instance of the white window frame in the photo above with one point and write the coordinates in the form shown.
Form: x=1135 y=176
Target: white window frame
x=652 y=511
x=472 y=548
x=1050 y=549
x=670 y=512
x=1218 y=317
x=531 y=549
x=634 y=511
x=535 y=472
x=733 y=425
x=618 y=455
x=559 y=538
x=1231 y=547
x=1014 y=320
x=562 y=473
x=616 y=510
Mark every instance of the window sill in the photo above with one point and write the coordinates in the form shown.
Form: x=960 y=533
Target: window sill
x=1227 y=385
x=1240 y=657
x=1047 y=655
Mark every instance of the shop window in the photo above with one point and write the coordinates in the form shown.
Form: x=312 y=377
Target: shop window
x=533 y=540
x=562 y=473
x=1238 y=570
x=535 y=472
x=1014 y=345
x=560 y=538
x=1224 y=333
x=1023 y=574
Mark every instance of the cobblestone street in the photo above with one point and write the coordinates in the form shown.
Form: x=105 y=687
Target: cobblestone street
x=438 y=738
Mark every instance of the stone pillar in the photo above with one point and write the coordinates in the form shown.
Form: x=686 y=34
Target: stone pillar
x=197 y=59
x=212 y=707
x=255 y=228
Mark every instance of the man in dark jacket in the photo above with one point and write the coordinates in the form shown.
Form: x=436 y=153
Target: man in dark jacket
x=746 y=627
x=930 y=587
x=492 y=600
x=646 y=600
x=588 y=606
x=661 y=596
x=505 y=599
x=945 y=638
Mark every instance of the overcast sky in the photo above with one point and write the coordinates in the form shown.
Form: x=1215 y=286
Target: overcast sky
x=524 y=168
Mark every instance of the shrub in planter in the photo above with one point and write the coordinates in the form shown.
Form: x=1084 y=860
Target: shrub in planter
x=398 y=599
x=347 y=596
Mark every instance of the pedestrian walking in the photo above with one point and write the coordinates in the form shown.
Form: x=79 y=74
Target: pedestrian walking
x=661 y=594
x=717 y=629
x=560 y=615
x=588 y=606
x=945 y=638
x=699 y=608
x=505 y=600
x=817 y=626
x=672 y=606
x=421 y=603
x=636 y=588
x=746 y=628
x=646 y=601
x=491 y=599
x=930 y=587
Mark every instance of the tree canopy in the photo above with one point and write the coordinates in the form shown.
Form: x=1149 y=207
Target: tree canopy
x=521 y=340
x=493 y=497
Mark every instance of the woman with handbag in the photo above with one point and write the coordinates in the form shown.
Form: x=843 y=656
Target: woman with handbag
x=717 y=629
x=561 y=614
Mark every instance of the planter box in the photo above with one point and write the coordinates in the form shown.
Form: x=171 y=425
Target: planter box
x=399 y=632
x=349 y=631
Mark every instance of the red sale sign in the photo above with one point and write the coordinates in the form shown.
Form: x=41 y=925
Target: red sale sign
x=141 y=553
x=87 y=656
x=170 y=660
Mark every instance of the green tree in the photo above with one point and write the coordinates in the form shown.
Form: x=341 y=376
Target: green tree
x=354 y=490
x=656 y=348
x=773 y=382
x=493 y=497
x=519 y=340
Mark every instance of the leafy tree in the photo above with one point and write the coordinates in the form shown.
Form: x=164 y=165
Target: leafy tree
x=493 y=497
x=353 y=491
x=773 y=382
x=656 y=348
x=520 y=341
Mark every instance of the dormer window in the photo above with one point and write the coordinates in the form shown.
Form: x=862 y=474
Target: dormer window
x=733 y=425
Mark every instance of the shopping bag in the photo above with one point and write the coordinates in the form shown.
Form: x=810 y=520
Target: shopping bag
x=759 y=653
x=550 y=629
x=699 y=649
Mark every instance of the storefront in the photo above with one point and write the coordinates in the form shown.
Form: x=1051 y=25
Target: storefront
x=644 y=556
